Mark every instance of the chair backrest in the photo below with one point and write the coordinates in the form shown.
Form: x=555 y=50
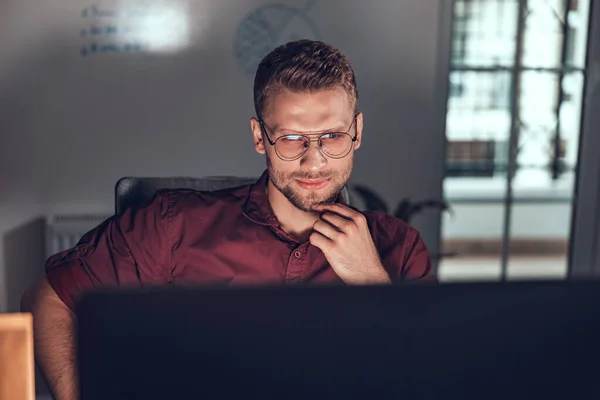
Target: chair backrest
x=139 y=191
x=130 y=191
x=17 y=368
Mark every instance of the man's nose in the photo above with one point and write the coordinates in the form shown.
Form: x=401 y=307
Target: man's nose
x=314 y=159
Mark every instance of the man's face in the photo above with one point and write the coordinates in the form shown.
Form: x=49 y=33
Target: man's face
x=315 y=177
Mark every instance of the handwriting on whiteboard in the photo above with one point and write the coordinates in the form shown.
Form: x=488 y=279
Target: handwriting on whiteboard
x=94 y=11
x=152 y=27
x=109 y=31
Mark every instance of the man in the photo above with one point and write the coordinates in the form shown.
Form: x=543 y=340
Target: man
x=291 y=227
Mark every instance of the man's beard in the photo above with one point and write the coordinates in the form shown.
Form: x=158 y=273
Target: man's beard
x=305 y=202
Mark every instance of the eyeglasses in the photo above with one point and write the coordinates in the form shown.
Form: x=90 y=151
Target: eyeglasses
x=293 y=146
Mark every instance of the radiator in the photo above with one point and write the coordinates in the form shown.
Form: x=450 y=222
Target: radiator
x=64 y=231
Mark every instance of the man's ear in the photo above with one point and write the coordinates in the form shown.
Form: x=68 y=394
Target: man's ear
x=359 y=130
x=257 y=136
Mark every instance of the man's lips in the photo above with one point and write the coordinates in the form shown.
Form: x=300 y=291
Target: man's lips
x=312 y=184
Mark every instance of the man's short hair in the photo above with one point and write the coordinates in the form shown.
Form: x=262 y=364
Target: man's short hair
x=303 y=65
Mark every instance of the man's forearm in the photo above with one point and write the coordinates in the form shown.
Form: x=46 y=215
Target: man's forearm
x=54 y=343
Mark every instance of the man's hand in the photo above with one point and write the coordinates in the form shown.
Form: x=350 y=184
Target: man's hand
x=343 y=236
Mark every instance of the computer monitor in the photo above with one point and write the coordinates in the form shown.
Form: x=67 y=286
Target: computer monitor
x=519 y=340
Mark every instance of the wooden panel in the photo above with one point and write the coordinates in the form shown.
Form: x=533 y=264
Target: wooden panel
x=517 y=247
x=470 y=158
x=16 y=357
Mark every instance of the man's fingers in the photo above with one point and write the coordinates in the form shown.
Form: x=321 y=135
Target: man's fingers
x=318 y=240
x=337 y=221
x=326 y=229
x=341 y=210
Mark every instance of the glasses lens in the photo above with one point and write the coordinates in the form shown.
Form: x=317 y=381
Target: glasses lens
x=336 y=144
x=291 y=146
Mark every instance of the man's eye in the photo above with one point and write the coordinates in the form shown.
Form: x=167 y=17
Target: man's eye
x=292 y=138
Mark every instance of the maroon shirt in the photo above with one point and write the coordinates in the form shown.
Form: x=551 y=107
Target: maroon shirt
x=227 y=237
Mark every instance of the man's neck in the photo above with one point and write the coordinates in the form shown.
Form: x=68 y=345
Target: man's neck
x=295 y=222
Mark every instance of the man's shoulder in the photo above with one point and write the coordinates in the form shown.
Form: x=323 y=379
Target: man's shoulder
x=384 y=219
x=386 y=228
x=190 y=200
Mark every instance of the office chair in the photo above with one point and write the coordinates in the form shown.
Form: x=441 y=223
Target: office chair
x=130 y=191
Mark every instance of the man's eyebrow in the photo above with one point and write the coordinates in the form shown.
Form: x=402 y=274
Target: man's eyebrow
x=276 y=128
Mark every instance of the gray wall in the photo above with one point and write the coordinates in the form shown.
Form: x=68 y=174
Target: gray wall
x=584 y=255
x=71 y=125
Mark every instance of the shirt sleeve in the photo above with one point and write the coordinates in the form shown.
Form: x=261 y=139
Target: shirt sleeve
x=403 y=252
x=417 y=262
x=131 y=250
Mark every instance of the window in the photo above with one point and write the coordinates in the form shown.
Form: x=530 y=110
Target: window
x=537 y=47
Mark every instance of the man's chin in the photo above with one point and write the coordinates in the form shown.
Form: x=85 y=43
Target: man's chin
x=305 y=200
x=307 y=204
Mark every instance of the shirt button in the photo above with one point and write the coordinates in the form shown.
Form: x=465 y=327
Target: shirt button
x=297 y=254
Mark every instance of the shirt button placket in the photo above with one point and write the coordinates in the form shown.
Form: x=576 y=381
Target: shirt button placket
x=296 y=265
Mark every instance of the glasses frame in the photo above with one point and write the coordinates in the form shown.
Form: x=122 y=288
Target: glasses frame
x=263 y=128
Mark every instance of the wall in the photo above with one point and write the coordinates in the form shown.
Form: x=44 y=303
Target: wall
x=73 y=121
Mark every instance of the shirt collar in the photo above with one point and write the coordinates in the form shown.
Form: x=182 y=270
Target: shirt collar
x=257 y=207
